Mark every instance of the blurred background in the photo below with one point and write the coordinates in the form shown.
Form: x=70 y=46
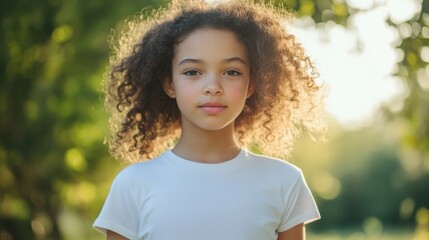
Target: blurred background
x=370 y=180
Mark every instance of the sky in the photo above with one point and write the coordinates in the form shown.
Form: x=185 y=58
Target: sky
x=356 y=63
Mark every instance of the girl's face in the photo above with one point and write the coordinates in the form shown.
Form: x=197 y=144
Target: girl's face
x=210 y=79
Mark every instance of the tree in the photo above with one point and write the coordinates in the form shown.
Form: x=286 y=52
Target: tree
x=51 y=114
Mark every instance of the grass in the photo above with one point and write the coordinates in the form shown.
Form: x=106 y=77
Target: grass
x=357 y=234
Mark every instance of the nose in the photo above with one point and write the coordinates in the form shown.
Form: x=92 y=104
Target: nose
x=213 y=86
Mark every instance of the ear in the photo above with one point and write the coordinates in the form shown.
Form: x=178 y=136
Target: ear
x=168 y=87
x=251 y=89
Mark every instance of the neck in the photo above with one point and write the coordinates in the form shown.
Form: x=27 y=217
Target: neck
x=207 y=146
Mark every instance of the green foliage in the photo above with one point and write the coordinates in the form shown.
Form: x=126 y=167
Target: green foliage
x=413 y=69
x=360 y=182
x=319 y=10
x=52 y=155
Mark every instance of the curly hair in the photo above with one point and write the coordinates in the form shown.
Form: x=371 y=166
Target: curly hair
x=145 y=121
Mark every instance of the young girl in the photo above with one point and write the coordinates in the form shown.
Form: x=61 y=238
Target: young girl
x=191 y=88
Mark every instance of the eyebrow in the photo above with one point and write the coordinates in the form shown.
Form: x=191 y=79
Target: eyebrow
x=228 y=60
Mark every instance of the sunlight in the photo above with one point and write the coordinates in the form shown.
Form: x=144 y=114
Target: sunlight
x=357 y=62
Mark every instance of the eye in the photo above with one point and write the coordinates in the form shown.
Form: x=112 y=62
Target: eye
x=191 y=73
x=232 y=73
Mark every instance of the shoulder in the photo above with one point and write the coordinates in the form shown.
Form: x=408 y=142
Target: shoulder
x=275 y=167
x=140 y=171
x=272 y=162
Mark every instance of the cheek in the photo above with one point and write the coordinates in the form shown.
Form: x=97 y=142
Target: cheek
x=239 y=92
x=185 y=88
x=185 y=94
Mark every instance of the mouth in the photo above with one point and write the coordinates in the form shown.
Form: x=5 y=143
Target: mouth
x=212 y=107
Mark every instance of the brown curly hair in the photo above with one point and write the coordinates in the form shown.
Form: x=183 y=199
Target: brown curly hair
x=145 y=121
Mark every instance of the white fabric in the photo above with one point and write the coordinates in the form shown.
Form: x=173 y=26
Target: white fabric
x=250 y=197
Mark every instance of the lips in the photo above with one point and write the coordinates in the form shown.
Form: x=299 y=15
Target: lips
x=212 y=107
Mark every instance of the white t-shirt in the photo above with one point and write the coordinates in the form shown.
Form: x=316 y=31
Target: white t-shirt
x=250 y=197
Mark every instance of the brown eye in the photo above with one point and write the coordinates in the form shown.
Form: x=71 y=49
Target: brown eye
x=232 y=73
x=191 y=73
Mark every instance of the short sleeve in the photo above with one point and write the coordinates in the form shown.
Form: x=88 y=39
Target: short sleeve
x=120 y=212
x=300 y=206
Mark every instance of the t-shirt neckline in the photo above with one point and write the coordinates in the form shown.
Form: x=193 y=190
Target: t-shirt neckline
x=239 y=160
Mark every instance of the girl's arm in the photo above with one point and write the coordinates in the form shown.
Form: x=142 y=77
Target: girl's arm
x=114 y=236
x=295 y=233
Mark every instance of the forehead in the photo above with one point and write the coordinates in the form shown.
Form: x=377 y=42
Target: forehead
x=210 y=44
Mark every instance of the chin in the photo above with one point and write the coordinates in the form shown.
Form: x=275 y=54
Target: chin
x=215 y=127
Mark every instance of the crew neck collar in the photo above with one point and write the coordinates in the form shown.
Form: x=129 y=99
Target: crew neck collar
x=239 y=160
